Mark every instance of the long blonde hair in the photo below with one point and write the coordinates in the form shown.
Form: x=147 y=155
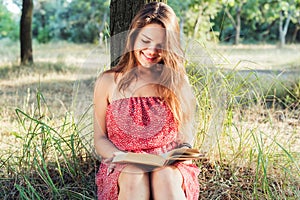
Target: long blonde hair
x=173 y=85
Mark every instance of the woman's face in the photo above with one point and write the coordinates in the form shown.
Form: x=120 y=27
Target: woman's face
x=149 y=44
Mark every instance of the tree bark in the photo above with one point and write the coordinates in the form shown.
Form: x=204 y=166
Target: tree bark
x=283 y=28
x=294 y=37
x=238 y=25
x=231 y=19
x=121 y=14
x=26 y=32
x=237 y=22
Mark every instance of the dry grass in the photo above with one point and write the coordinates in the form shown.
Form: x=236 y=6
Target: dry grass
x=262 y=57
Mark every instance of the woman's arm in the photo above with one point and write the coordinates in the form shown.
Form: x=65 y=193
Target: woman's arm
x=103 y=86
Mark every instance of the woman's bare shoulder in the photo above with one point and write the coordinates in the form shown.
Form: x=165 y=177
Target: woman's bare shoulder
x=107 y=77
x=105 y=85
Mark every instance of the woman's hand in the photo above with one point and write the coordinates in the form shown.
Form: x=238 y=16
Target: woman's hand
x=111 y=165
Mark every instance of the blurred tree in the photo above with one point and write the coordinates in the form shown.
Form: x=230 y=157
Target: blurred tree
x=181 y=8
x=281 y=13
x=233 y=10
x=288 y=11
x=78 y=21
x=296 y=31
x=8 y=25
x=26 y=33
x=88 y=21
x=44 y=22
x=196 y=17
x=205 y=11
x=85 y=26
x=252 y=21
x=121 y=14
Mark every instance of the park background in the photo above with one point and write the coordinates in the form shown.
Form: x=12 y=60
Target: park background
x=243 y=60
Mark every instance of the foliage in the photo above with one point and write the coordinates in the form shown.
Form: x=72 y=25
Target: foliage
x=9 y=26
x=77 y=21
x=195 y=17
x=210 y=20
x=261 y=18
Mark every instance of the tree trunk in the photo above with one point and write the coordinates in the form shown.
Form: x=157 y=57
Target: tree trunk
x=238 y=25
x=281 y=35
x=121 y=14
x=26 y=33
x=283 y=28
x=294 y=37
x=231 y=19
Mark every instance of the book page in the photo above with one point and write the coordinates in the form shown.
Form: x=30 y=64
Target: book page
x=139 y=158
x=167 y=158
x=182 y=153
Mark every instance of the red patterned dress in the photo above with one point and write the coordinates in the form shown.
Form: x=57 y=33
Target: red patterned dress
x=144 y=125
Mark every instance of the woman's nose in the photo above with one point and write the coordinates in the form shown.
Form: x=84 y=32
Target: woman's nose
x=154 y=49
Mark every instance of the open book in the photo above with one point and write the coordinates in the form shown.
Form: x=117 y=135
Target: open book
x=181 y=154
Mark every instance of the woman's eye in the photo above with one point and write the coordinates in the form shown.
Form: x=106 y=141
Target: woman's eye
x=145 y=41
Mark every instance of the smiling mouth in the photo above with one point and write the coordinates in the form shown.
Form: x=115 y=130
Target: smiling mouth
x=149 y=58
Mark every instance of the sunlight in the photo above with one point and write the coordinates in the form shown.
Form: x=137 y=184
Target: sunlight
x=11 y=6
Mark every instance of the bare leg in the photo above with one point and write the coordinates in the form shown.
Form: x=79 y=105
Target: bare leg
x=166 y=184
x=134 y=184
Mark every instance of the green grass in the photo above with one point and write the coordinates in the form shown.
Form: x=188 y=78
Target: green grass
x=249 y=129
x=52 y=162
x=247 y=123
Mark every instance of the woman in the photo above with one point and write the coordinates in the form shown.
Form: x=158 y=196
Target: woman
x=145 y=105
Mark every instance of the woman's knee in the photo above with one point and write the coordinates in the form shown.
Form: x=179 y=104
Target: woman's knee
x=167 y=174
x=133 y=177
x=133 y=184
x=166 y=183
